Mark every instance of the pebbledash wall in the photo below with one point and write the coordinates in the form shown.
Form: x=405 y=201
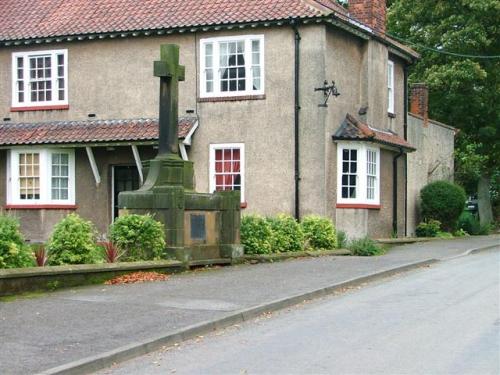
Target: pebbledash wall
x=432 y=161
x=113 y=78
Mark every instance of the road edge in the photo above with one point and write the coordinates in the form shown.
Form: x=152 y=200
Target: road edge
x=138 y=348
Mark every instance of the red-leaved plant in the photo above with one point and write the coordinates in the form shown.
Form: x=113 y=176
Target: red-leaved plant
x=41 y=256
x=111 y=252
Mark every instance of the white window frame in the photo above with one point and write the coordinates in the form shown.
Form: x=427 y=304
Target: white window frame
x=216 y=63
x=13 y=185
x=390 y=86
x=361 y=173
x=26 y=78
x=222 y=146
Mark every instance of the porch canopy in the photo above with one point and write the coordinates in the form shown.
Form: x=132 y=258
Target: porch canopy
x=94 y=133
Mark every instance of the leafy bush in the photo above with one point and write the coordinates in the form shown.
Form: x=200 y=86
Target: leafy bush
x=469 y=223
x=460 y=233
x=342 y=240
x=256 y=235
x=428 y=228
x=287 y=234
x=73 y=242
x=319 y=232
x=140 y=237
x=13 y=250
x=365 y=247
x=443 y=201
x=485 y=229
x=444 y=235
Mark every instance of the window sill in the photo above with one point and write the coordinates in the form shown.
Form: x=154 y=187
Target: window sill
x=40 y=206
x=40 y=108
x=359 y=205
x=231 y=98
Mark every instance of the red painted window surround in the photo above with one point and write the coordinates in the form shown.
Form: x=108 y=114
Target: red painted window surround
x=42 y=108
x=40 y=206
x=359 y=205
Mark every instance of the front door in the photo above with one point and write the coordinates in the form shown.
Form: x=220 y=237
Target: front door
x=125 y=178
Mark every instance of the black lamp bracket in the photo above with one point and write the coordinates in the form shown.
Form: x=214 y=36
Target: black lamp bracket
x=328 y=90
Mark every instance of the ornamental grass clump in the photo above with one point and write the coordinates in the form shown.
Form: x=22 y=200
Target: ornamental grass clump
x=443 y=201
x=365 y=247
x=73 y=241
x=256 y=235
x=14 y=252
x=287 y=234
x=140 y=237
x=319 y=232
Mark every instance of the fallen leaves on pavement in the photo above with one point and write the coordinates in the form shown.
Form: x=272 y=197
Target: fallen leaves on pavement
x=137 y=277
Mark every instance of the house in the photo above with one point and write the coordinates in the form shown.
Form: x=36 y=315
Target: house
x=79 y=106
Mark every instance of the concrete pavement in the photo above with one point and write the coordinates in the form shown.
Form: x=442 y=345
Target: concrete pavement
x=49 y=331
x=442 y=320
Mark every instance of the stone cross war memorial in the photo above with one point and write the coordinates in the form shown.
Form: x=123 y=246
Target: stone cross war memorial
x=198 y=226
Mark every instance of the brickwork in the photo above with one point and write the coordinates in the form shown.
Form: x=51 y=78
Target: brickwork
x=419 y=102
x=370 y=12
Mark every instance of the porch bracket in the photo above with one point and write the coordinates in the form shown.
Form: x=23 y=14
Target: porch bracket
x=93 y=165
x=138 y=163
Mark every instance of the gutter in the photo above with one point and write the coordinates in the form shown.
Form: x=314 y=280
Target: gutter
x=297 y=38
x=395 y=191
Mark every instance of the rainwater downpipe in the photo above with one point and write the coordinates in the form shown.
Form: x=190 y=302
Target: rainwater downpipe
x=405 y=126
x=395 y=191
x=297 y=38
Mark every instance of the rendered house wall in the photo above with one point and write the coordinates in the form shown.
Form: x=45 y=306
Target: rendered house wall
x=113 y=78
x=432 y=161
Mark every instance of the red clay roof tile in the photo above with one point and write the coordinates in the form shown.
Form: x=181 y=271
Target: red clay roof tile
x=28 y=19
x=59 y=132
x=355 y=130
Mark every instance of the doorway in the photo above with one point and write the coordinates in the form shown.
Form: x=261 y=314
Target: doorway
x=125 y=178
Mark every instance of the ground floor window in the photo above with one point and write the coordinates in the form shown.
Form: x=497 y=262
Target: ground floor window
x=227 y=170
x=41 y=176
x=358 y=173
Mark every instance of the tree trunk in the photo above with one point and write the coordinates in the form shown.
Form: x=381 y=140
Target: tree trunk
x=484 y=201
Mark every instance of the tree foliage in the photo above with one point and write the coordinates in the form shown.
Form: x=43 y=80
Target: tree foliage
x=463 y=90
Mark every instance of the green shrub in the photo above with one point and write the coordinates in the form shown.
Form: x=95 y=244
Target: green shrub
x=460 y=233
x=140 y=237
x=287 y=234
x=73 y=242
x=485 y=229
x=256 y=235
x=319 y=232
x=342 y=240
x=365 y=247
x=428 y=228
x=14 y=252
x=443 y=201
x=469 y=223
x=444 y=235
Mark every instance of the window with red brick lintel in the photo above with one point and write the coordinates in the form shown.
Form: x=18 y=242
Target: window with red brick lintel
x=227 y=167
x=232 y=66
x=40 y=80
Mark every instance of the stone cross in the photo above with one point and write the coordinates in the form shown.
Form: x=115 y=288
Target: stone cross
x=170 y=73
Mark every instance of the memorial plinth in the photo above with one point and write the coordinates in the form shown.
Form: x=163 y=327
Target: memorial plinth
x=197 y=225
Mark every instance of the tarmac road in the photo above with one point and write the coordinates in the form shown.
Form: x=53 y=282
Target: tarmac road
x=439 y=320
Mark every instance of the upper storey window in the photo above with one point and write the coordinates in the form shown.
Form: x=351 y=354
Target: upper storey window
x=232 y=66
x=40 y=78
x=390 y=87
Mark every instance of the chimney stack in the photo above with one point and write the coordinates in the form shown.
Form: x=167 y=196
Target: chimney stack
x=372 y=13
x=419 y=101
